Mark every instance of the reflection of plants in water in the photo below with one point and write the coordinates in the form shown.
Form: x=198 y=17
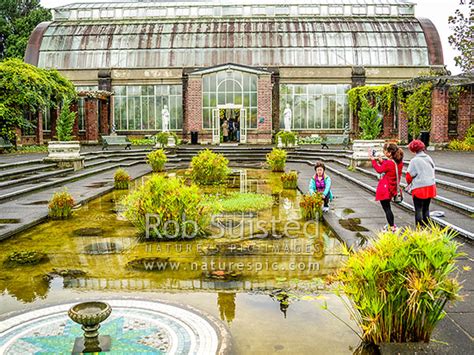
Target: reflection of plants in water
x=226 y=303
x=29 y=288
x=399 y=286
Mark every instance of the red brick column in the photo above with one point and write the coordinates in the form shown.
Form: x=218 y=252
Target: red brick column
x=75 y=127
x=54 y=118
x=91 y=120
x=39 y=128
x=104 y=116
x=387 y=122
x=465 y=111
x=193 y=105
x=264 y=109
x=402 y=126
x=439 y=115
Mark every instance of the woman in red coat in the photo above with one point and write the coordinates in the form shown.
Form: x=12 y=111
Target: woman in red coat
x=388 y=184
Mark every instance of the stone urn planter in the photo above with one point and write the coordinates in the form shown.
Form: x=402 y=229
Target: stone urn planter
x=66 y=154
x=360 y=148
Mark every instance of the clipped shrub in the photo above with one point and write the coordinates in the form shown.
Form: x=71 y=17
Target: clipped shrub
x=157 y=160
x=26 y=257
x=174 y=209
x=64 y=126
x=61 y=204
x=276 y=159
x=246 y=202
x=121 y=179
x=209 y=168
x=290 y=180
x=287 y=138
x=399 y=286
x=311 y=206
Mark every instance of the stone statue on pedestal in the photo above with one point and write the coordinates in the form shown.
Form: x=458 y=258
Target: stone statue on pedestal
x=165 y=119
x=287 y=115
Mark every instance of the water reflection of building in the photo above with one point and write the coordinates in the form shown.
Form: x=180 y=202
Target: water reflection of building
x=226 y=303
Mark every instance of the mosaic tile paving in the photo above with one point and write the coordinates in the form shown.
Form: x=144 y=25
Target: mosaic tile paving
x=136 y=327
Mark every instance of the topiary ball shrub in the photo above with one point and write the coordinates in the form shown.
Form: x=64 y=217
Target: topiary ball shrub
x=60 y=206
x=157 y=160
x=121 y=179
x=209 y=168
x=311 y=206
x=276 y=159
x=399 y=286
x=290 y=180
x=173 y=209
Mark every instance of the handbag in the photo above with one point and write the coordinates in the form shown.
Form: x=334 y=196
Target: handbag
x=398 y=198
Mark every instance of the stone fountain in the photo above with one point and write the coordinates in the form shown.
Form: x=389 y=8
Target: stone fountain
x=90 y=315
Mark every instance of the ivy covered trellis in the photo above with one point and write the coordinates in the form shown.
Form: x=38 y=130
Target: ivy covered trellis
x=26 y=88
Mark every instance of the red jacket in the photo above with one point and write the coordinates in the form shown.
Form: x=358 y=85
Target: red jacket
x=387 y=187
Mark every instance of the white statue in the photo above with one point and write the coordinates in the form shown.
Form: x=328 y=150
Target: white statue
x=287 y=118
x=165 y=119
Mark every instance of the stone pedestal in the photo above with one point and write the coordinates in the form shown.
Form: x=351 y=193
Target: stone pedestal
x=171 y=142
x=360 y=148
x=65 y=154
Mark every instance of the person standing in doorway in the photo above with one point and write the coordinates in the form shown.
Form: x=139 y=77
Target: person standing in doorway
x=387 y=188
x=421 y=181
x=231 y=129
x=225 y=131
x=237 y=130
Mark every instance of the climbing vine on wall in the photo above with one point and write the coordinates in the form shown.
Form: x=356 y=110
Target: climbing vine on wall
x=379 y=95
x=417 y=105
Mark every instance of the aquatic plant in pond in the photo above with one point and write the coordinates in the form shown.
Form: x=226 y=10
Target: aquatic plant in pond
x=60 y=206
x=157 y=160
x=246 y=202
x=25 y=257
x=209 y=168
x=276 y=159
x=176 y=209
x=400 y=285
x=290 y=180
x=311 y=206
x=121 y=179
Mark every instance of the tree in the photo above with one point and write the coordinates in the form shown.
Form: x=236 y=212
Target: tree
x=370 y=121
x=26 y=88
x=463 y=34
x=18 y=18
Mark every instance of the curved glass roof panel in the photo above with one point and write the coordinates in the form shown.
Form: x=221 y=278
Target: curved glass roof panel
x=263 y=42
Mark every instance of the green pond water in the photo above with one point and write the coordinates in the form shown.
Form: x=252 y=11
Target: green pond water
x=268 y=287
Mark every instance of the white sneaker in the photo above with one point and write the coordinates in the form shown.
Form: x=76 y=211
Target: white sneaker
x=325 y=209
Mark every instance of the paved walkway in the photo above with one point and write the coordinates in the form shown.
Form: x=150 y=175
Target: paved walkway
x=356 y=217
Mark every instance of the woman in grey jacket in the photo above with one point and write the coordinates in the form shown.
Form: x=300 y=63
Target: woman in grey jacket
x=421 y=176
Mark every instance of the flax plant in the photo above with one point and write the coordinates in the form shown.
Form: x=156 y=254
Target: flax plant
x=398 y=287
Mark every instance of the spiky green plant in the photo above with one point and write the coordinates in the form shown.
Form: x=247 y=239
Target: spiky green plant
x=209 y=168
x=370 y=121
x=157 y=160
x=290 y=180
x=121 y=179
x=399 y=286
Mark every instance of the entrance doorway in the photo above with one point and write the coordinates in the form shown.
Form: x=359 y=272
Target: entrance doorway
x=236 y=120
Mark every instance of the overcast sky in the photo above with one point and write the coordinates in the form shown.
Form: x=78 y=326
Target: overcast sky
x=437 y=11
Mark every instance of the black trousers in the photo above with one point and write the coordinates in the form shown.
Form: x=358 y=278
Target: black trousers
x=326 y=201
x=387 y=208
x=422 y=211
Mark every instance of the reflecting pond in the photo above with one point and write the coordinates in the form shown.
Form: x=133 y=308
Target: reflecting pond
x=267 y=284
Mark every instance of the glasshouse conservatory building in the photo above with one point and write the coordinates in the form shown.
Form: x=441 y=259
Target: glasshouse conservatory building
x=235 y=59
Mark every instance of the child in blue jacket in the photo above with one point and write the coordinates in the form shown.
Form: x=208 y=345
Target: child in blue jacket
x=321 y=182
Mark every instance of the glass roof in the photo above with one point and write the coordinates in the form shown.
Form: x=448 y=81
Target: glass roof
x=265 y=42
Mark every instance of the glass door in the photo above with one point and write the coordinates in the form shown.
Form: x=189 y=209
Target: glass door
x=216 y=126
x=243 y=125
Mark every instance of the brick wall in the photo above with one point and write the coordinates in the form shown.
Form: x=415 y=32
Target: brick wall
x=91 y=120
x=39 y=128
x=264 y=109
x=193 y=105
x=104 y=116
x=75 y=127
x=465 y=111
x=387 y=123
x=439 y=115
x=402 y=126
